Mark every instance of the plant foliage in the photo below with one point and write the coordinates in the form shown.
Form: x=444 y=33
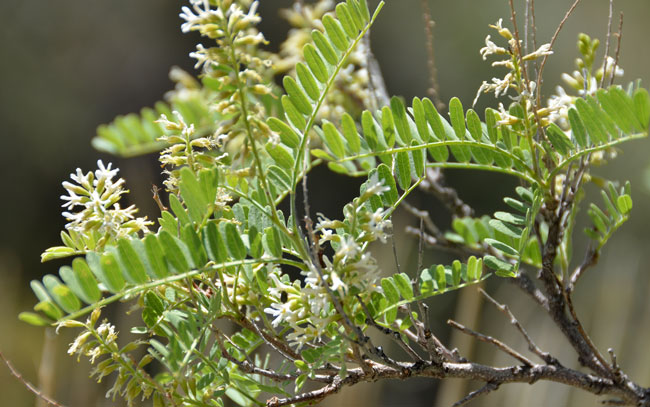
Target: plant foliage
x=234 y=145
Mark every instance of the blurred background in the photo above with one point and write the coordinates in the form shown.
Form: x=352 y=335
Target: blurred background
x=67 y=66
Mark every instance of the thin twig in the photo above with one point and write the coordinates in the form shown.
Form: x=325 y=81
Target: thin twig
x=553 y=39
x=545 y=356
x=594 y=350
x=425 y=217
x=591 y=258
x=488 y=388
x=434 y=184
x=493 y=341
x=29 y=385
x=431 y=61
x=609 y=36
x=394 y=335
x=619 y=35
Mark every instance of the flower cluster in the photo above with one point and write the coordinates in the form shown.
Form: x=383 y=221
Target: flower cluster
x=98 y=196
x=236 y=69
x=514 y=62
x=308 y=309
x=186 y=149
x=584 y=81
x=351 y=90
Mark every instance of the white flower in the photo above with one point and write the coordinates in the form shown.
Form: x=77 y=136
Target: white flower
x=543 y=50
x=491 y=48
x=282 y=313
x=347 y=250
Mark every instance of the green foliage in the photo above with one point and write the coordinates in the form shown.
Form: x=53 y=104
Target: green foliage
x=239 y=146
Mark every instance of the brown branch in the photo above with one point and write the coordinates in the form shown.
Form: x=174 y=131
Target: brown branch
x=431 y=61
x=488 y=388
x=553 y=39
x=619 y=35
x=628 y=392
x=609 y=35
x=434 y=184
x=28 y=385
x=493 y=341
x=545 y=356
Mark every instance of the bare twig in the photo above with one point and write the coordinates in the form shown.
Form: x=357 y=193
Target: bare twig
x=619 y=35
x=431 y=61
x=591 y=258
x=609 y=35
x=488 y=339
x=394 y=335
x=545 y=356
x=29 y=385
x=488 y=388
x=553 y=39
x=425 y=217
x=376 y=83
x=434 y=184
x=594 y=350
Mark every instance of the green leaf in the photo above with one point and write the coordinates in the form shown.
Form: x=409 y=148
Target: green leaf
x=280 y=155
x=624 y=204
x=272 y=242
x=510 y=218
x=335 y=32
x=577 y=128
x=491 y=125
x=279 y=177
x=502 y=247
x=315 y=64
x=233 y=240
x=391 y=196
x=403 y=170
x=642 y=106
x=591 y=120
x=175 y=251
x=193 y=195
x=369 y=129
x=193 y=242
x=404 y=286
x=287 y=135
x=155 y=257
x=420 y=120
x=297 y=96
x=133 y=265
x=419 y=160
x=350 y=133
x=325 y=49
x=293 y=114
x=399 y=116
x=34 y=319
x=506 y=229
x=388 y=127
x=502 y=268
x=560 y=141
x=110 y=271
x=343 y=15
x=178 y=209
x=62 y=295
x=214 y=243
x=85 y=283
x=457 y=117
x=333 y=139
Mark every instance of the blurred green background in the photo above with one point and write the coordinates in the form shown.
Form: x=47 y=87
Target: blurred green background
x=67 y=66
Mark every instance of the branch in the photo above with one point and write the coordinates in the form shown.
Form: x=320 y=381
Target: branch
x=489 y=387
x=488 y=339
x=545 y=356
x=29 y=385
x=433 y=183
